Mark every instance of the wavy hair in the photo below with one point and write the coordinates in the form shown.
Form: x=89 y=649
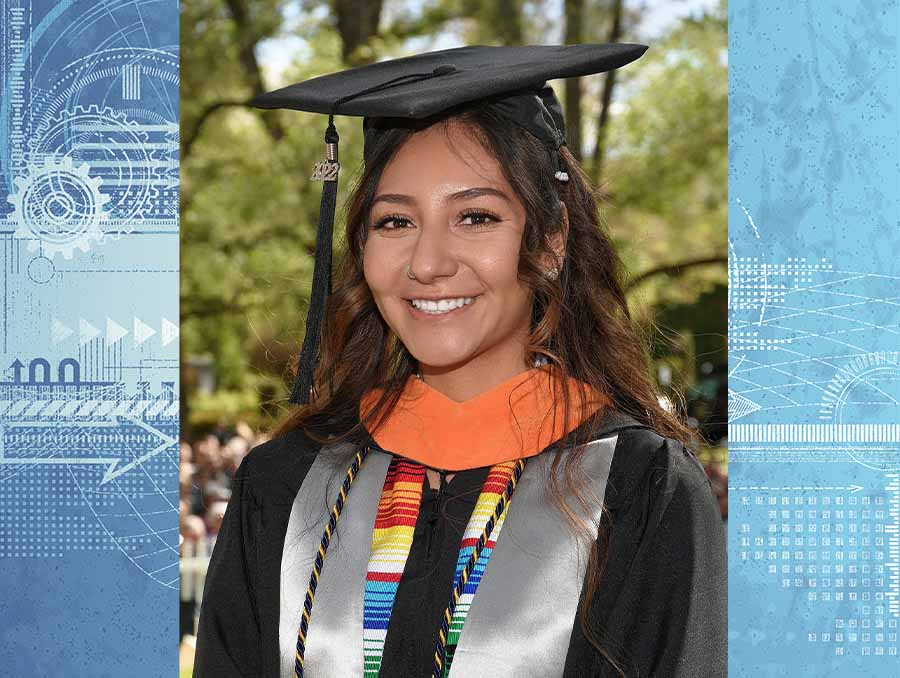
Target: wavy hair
x=580 y=321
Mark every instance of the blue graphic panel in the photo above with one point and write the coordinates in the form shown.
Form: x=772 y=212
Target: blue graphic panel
x=814 y=320
x=89 y=337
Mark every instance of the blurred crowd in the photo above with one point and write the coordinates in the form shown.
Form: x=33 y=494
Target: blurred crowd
x=207 y=469
x=206 y=472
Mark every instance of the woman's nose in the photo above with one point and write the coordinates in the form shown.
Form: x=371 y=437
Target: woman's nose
x=432 y=256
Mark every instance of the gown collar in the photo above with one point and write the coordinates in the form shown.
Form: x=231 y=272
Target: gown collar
x=511 y=420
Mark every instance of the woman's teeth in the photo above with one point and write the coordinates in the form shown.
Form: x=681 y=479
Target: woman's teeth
x=442 y=306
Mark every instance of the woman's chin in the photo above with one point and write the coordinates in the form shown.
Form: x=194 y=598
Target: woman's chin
x=436 y=359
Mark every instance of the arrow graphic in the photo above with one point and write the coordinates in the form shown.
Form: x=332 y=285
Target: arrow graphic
x=4 y=460
x=16 y=367
x=114 y=471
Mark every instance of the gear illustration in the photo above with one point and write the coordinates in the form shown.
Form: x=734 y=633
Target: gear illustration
x=108 y=139
x=58 y=207
x=55 y=131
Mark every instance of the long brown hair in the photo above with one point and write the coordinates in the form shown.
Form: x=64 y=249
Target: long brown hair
x=580 y=321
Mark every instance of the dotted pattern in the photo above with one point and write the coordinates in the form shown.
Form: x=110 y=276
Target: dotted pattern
x=834 y=549
x=754 y=282
x=50 y=509
x=44 y=519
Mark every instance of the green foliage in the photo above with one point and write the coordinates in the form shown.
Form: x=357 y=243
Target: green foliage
x=249 y=211
x=667 y=168
x=668 y=176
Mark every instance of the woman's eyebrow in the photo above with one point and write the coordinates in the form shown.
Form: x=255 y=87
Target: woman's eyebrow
x=401 y=199
x=477 y=193
x=398 y=198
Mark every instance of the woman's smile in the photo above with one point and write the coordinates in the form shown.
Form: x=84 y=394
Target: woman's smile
x=438 y=309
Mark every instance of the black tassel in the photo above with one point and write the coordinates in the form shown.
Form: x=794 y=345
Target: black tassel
x=321 y=284
x=328 y=172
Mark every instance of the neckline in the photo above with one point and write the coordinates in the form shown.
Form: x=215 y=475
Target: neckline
x=423 y=386
x=469 y=479
x=511 y=420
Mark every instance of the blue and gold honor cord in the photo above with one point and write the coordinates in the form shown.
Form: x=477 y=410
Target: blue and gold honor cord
x=442 y=667
x=320 y=559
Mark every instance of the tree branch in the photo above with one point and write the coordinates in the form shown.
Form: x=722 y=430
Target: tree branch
x=509 y=25
x=609 y=83
x=357 y=21
x=206 y=309
x=248 y=38
x=430 y=21
x=247 y=56
x=574 y=11
x=187 y=140
x=674 y=269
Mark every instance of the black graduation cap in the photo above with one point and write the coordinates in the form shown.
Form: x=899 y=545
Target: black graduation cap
x=510 y=79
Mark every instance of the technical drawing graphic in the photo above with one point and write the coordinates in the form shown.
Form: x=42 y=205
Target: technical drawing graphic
x=89 y=376
x=118 y=450
x=110 y=140
x=814 y=376
x=59 y=207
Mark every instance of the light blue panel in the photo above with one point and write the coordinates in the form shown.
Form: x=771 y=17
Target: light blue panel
x=814 y=323
x=89 y=337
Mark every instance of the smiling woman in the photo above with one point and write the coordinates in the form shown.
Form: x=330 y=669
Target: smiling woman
x=480 y=480
x=441 y=259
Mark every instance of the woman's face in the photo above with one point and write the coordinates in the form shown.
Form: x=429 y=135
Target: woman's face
x=444 y=209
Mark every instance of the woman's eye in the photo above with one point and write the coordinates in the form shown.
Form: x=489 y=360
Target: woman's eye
x=397 y=221
x=479 y=218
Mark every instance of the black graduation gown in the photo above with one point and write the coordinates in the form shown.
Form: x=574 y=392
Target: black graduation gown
x=660 y=608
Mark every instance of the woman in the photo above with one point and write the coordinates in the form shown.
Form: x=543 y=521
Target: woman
x=484 y=482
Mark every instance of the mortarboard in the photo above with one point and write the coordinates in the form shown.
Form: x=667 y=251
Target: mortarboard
x=512 y=80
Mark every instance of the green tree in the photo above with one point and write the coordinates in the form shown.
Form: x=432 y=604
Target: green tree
x=249 y=210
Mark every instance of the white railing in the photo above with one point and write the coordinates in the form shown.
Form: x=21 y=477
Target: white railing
x=192 y=566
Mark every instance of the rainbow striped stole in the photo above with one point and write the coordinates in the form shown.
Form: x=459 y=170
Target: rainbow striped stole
x=392 y=539
x=395 y=521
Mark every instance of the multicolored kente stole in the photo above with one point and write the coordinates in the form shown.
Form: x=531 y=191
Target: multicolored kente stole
x=392 y=539
x=398 y=510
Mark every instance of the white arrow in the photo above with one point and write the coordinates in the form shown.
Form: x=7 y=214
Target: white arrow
x=86 y=331
x=169 y=331
x=59 y=332
x=114 y=471
x=60 y=460
x=114 y=332
x=4 y=460
x=142 y=331
x=60 y=424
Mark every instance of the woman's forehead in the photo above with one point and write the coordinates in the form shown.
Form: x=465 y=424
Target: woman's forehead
x=443 y=156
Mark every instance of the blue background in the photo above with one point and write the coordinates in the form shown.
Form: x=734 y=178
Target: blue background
x=89 y=338
x=814 y=314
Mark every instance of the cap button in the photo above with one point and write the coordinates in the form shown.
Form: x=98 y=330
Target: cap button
x=444 y=70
